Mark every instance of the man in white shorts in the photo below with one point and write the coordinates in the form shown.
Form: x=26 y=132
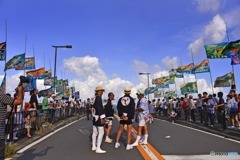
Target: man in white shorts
x=142 y=112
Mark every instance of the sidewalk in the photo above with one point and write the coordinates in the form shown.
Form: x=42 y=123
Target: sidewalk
x=233 y=133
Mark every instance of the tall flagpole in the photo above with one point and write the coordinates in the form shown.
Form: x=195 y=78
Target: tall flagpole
x=25 y=51
x=5 y=57
x=182 y=73
x=174 y=79
x=193 y=65
x=210 y=72
x=232 y=65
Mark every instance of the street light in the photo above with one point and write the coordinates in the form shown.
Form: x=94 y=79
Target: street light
x=144 y=73
x=55 y=62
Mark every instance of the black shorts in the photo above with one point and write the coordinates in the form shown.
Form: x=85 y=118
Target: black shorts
x=127 y=122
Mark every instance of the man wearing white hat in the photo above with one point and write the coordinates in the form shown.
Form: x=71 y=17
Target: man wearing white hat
x=126 y=108
x=98 y=121
x=142 y=111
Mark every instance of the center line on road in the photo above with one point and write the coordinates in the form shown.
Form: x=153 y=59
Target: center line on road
x=147 y=151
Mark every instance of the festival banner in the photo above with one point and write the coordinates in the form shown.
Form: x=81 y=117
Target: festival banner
x=31 y=85
x=16 y=60
x=27 y=65
x=202 y=67
x=214 y=51
x=3 y=86
x=235 y=59
x=189 y=88
x=174 y=73
x=76 y=94
x=150 y=90
x=65 y=84
x=2 y=51
x=232 y=48
x=163 y=82
x=44 y=93
x=50 y=81
x=36 y=73
x=171 y=94
x=225 y=81
x=67 y=93
x=189 y=69
x=158 y=94
x=47 y=74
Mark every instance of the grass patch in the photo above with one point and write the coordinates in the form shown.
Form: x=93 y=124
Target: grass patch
x=10 y=150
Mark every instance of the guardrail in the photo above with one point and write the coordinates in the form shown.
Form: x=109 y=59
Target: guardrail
x=39 y=119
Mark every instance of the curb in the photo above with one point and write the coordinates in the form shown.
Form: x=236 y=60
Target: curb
x=26 y=141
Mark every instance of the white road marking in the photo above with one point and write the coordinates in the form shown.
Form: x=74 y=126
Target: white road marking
x=45 y=137
x=201 y=131
x=199 y=157
x=84 y=131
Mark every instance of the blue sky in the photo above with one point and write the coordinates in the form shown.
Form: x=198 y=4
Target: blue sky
x=115 y=40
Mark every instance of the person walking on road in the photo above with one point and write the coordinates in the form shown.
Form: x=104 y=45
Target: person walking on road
x=98 y=121
x=126 y=109
x=109 y=111
x=88 y=108
x=142 y=118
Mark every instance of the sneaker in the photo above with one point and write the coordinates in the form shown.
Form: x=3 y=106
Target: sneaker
x=99 y=150
x=94 y=148
x=230 y=127
x=108 y=140
x=129 y=147
x=117 y=145
x=15 y=138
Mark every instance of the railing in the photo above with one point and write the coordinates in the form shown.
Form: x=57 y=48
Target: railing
x=201 y=116
x=38 y=120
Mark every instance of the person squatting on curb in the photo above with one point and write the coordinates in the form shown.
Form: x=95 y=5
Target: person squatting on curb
x=98 y=121
x=126 y=108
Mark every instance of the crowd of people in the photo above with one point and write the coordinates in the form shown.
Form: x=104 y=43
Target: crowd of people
x=207 y=108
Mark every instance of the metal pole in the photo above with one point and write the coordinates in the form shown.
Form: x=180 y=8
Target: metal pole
x=55 y=61
x=148 y=83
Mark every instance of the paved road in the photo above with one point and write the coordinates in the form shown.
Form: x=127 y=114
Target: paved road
x=170 y=140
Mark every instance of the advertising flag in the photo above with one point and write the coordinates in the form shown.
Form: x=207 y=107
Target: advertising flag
x=232 y=48
x=174 y=73
x=214 y=51
x=189 y=88
x=44 y=93
x=150 y=90
x=202 y=67
x=36 y=73
x=2 y=51
x=171 y=94
x=30 y=86
x=189 y=69
x=50 y=81
x=225 y=81
x=27 y=65
x=235 y=59
x=16 y=60
x=3 y=86
x=158 y=94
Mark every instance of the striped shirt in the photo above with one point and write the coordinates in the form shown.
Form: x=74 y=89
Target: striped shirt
x=4 y=101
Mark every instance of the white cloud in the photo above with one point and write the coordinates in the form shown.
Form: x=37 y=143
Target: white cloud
x=208 y=5
x=140 y=66
x=170 y=63
x=214 y=32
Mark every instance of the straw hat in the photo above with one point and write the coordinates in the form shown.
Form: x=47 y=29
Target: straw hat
x=99 y=88
x=127 y=90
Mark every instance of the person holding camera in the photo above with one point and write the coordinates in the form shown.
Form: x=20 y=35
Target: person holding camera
x=4 y=101
x=98 y=121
